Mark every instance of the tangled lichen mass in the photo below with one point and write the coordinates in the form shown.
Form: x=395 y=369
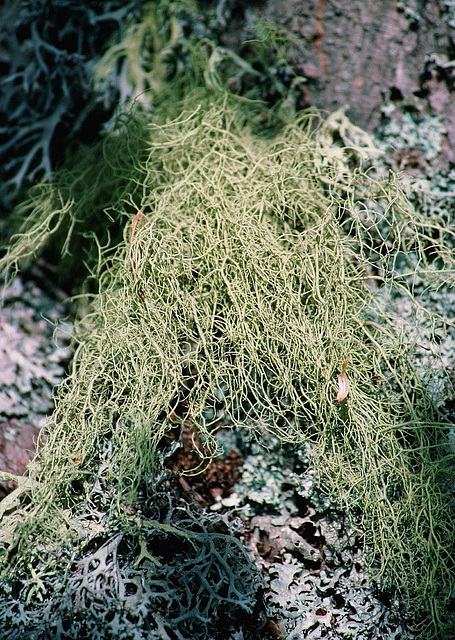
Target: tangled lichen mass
x=248 y=284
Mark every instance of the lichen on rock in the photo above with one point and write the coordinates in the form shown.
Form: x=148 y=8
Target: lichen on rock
x=235 y=273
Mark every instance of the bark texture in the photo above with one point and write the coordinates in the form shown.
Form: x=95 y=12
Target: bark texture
x=364 y=54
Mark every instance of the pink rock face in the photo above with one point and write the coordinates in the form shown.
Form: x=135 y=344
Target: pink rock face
x=31 y=364
x=16 y=454
x=365 y=54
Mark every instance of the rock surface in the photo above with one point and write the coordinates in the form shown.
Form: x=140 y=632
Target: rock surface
x=34 y=350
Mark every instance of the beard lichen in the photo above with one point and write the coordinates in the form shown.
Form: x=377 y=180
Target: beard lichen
x=235 y=276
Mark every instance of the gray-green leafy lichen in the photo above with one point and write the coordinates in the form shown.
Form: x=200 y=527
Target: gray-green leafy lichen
x=317 y=581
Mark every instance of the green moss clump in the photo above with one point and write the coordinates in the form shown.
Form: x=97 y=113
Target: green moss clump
x=246 y=273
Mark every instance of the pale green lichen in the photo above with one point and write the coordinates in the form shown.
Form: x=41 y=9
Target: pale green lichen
x=249 y=278
x=424 y=134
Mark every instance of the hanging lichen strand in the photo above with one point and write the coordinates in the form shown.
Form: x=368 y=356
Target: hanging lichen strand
x=246 y=277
